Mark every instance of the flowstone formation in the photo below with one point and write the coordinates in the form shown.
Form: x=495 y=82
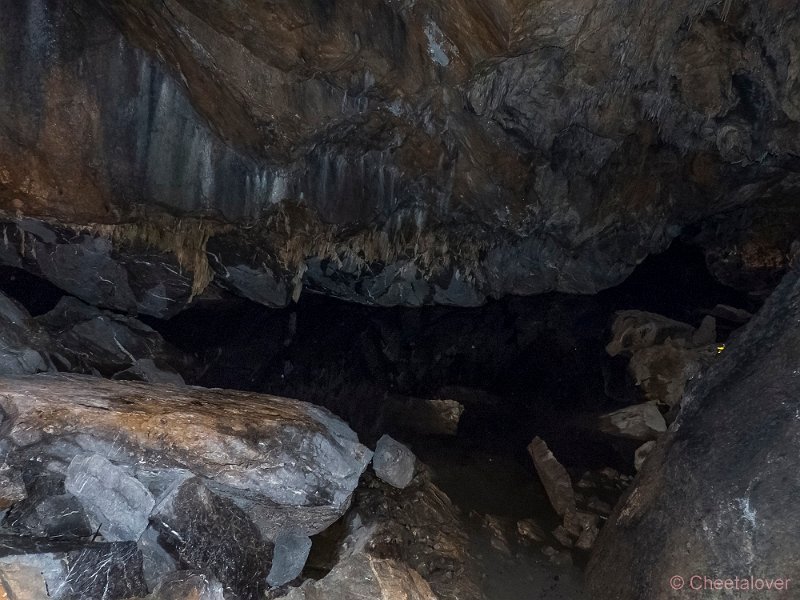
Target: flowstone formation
x=392 y=153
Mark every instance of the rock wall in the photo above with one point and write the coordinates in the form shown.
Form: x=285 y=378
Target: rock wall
x=395 y=153
x=714 y=500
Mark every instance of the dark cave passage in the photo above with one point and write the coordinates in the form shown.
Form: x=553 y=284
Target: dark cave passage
x=521 y=366
x=486 y=300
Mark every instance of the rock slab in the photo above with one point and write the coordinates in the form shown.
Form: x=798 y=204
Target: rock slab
x=554 y=477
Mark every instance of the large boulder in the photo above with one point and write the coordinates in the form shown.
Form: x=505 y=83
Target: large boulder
x=212 y=477
x=715 y=500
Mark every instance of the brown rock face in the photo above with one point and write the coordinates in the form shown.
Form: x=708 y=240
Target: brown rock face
x=386 y=151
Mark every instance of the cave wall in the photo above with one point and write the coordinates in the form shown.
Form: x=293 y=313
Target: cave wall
x=388 y=152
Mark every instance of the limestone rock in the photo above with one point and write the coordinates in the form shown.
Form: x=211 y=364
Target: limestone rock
x=531 y=530
x=197 y=464
x=417 y=526
x=363 y=576
x=662 y=372
x=12 y=488
x=637 y=422
x=393 y=462
x=440 y=155
x=91 y=340
x=118 y=505
x=289 y=558
x=424 y=416
x=634 y=330
x=642 y=452
x=185 y=585
x=33 y=569
x=664 y=354
x=554 y=477
x=23 y=345
x=210 y=533
x=723 y=504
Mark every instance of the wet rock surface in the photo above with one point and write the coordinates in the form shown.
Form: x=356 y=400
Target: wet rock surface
x=355 y=147
x=718 y=504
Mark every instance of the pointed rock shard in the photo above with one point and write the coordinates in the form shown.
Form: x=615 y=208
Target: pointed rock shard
x=554 y=476
x=638 y=422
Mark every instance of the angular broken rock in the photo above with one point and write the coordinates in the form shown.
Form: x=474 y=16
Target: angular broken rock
x=23 y=344
x=12 y=488
x=662 y=372
x=210 y=533
x=638 y=422
x=554 y=477
x=583 y=527
x=641 y=454
x=393 y=462
x=363 y=576
x=118 y=505
x=91 y=340
x=224 y=472
x=633 y=330
x=38 y=569
x=289 y=558
x=531 y=530
x=186 y=585
x=417 y=526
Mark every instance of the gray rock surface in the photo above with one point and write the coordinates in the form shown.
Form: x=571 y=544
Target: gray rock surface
x=664 y=354
x=393 y=462
x=94 y=341
x=418 y=526
x=12 y=488
x=118 y=505
x=34 y=570
x=23 y=344
x=289 y=557
x=718 y=491
x=218 y=474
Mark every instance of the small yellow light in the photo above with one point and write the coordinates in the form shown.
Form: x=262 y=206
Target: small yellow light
x=720 y=348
